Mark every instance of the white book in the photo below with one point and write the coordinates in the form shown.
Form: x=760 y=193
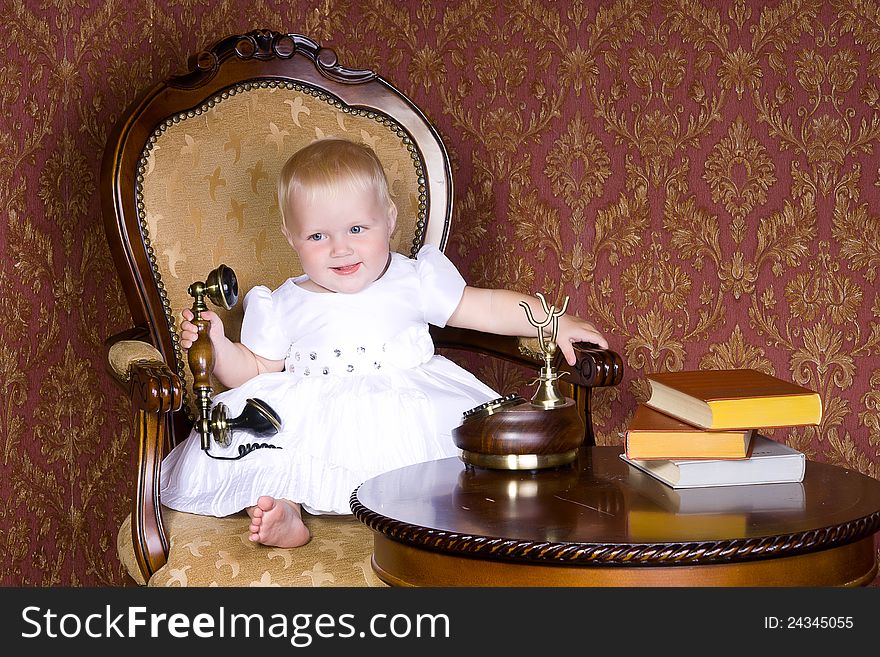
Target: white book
x=769 y=462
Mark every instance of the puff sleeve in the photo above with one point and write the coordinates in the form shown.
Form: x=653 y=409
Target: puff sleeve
x=261 y=329
x=441 y=284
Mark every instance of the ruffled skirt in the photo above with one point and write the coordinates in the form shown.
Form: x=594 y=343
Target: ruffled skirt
x=336 y=433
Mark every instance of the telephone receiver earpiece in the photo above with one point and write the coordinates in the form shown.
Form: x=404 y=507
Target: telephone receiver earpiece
x=221 y=287
x=258 y=418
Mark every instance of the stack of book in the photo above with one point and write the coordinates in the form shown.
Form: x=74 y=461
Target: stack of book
x=699 y=428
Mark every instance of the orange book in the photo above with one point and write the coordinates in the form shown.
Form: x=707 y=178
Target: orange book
x=733 y=399
x=655 y=435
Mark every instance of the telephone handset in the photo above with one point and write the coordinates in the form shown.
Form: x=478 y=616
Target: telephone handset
x=258 y=418
x=510 y=433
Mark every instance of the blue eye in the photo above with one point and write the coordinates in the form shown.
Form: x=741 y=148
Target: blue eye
x=316 y=237
x=356 y=229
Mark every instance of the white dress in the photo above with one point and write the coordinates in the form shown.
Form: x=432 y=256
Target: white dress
x=362 y=393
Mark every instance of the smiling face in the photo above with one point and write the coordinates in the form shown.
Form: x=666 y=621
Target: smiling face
x=337 y=214
x=342 y=238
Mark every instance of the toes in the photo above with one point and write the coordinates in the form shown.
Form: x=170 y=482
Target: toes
x=265 y=503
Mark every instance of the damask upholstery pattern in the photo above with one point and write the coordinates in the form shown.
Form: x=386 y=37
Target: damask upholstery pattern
x=212 y=552
x=699 y=176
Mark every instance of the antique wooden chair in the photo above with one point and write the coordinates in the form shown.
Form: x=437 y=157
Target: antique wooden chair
x=188 y=184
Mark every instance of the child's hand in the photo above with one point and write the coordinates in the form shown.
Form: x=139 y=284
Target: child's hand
x=574 y=329
x=188 y=333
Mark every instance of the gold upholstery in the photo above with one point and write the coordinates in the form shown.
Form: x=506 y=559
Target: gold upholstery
x=122 y=354
x=209 y=551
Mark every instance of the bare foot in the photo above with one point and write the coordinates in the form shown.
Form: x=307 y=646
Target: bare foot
x=278 y=523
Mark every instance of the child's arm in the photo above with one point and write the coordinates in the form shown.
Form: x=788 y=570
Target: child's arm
x=233 y=362
x=499 y=312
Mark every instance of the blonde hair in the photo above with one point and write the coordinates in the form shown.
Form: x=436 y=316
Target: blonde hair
x=331 y=166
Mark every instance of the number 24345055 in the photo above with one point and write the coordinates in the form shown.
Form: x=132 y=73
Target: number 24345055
x=808 y=622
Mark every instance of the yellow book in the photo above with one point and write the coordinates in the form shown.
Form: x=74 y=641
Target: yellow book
x=733 y=399
x=655 y=435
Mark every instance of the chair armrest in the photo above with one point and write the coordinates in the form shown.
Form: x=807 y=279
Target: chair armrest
x=156 y=393
x=123 y=348
x=594 y=367
x=507 y=347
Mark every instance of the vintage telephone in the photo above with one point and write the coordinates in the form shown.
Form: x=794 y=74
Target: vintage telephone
x=510 y=433
x=258 y=418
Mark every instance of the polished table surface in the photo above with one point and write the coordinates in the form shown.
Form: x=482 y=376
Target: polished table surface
x=600 y=522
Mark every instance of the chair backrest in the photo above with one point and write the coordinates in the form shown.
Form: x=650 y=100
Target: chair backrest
x=188 y=179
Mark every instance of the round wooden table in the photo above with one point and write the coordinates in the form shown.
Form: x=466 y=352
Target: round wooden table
x=600 y=522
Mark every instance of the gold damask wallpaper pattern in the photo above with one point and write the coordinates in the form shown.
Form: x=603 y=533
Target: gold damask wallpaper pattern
x=699 y=177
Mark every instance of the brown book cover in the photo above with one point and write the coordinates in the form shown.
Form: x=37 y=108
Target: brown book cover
x=655 y=435
x=733 y=399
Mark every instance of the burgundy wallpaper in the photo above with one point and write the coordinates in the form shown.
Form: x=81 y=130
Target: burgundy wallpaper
x=699 y=177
